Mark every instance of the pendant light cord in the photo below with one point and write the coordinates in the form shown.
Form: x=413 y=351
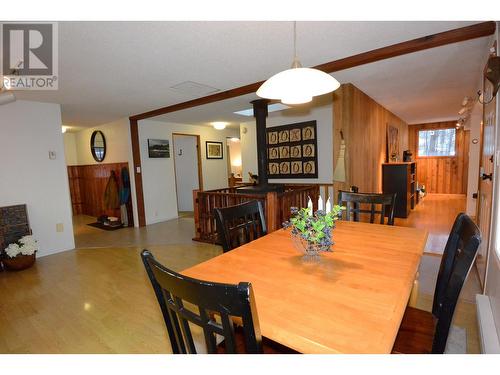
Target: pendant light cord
x=296 y=63
x=294 y=40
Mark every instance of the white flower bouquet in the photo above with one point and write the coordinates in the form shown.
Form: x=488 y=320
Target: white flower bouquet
x=27 y=245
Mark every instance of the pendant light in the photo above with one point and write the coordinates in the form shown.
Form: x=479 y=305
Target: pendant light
x=297 y=85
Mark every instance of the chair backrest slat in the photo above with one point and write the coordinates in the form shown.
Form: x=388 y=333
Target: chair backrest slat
x=229 y=341
x=175 y=292
x=208 y=331
x=186 y=331
x=176 y=337
x=354 y=203
x=456 y=263
x=240 y=224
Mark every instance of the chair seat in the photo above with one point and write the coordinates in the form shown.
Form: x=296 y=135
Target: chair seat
x=416 y=333
x=268 y=346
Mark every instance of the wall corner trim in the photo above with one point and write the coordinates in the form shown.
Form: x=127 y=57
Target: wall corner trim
x=487 y=333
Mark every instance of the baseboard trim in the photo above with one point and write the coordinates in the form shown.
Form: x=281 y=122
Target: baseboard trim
x=487 y=331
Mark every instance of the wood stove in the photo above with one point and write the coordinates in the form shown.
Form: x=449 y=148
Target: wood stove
x=260 y=113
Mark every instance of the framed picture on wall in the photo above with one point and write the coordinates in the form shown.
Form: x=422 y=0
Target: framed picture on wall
x=292 y=150
x=158 y=148
x=392 y=154
x=214 y=150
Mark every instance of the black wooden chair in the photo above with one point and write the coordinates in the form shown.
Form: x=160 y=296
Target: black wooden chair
x=240 y=224
x=212 y=300
x=423 y=332
x=354 y=205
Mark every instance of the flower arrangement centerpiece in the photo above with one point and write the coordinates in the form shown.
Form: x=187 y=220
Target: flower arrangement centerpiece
x=20 y=254
x=312 y=231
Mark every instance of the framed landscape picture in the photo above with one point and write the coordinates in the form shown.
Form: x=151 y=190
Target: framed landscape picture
x=158 y=148
x=214 y=150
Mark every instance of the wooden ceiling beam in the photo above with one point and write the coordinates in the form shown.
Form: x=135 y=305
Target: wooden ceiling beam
x=430 y=41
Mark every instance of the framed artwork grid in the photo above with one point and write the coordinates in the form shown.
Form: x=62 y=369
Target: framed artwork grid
x=292 y=150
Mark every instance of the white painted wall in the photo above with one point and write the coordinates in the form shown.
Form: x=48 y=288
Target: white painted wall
x=320 y=110
x=28 y=131
x=186 y=170
x=158 y=178
x=118 y=143
x=474 y=155
x=118 y=150
x=248 y=144
x=70 y=151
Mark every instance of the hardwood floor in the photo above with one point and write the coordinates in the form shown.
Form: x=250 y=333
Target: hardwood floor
x=435 y=213
x=88 y=301
x=179 y=231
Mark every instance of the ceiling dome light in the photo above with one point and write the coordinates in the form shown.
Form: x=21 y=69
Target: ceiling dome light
x=297 y=85
x=219 y=125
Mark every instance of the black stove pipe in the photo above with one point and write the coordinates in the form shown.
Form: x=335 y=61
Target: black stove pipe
x=260 y=114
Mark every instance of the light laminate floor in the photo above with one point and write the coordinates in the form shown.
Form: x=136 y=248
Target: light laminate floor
x=436 y=214
x=97 y=299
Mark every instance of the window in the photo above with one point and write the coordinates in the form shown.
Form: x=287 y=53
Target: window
x=438 y=142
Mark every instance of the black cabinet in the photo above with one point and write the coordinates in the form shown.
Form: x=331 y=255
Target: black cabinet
x=400 y=178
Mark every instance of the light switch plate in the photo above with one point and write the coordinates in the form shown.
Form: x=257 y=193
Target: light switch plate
x=59 y=227
x=52 y=155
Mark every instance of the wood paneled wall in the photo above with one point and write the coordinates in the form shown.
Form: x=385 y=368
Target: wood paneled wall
x=442 y=174
x=87 y=184
x=364 y=123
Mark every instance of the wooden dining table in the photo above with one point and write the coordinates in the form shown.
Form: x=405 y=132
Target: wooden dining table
x=350 y=300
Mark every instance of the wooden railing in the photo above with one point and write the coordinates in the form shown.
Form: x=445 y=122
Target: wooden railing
x=276 y=205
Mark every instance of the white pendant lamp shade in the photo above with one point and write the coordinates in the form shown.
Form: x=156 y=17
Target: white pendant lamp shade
x=297 y=85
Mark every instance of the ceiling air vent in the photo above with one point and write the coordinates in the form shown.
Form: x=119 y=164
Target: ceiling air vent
x=194 y=88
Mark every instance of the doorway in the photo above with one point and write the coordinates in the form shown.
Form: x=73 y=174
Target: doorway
x=441 y=151
x=188 y=173
x=234 y=167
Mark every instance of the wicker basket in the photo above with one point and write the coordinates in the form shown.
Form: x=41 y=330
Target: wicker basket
x=19 y=262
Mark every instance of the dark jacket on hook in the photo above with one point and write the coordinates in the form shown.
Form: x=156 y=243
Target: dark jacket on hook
x=111 y=197
x=125 y=189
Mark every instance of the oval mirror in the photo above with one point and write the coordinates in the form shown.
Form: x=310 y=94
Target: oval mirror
x=98 y=145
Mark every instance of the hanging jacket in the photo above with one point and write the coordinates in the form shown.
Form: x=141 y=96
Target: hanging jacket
x=111 y=197
x=125 y=186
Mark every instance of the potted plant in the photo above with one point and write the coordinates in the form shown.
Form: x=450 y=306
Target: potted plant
x=20 y=255
x=312 y=232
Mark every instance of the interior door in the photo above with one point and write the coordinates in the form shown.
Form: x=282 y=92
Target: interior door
x=486 y=176
x=186 y=170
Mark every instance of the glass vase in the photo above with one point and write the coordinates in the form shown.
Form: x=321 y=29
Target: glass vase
x=309 y=248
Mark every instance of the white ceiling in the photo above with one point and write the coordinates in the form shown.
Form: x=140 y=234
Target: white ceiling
x=109 y=70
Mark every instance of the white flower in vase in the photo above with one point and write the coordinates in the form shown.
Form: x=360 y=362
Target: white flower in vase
x=27 y=245
x=12 y=250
